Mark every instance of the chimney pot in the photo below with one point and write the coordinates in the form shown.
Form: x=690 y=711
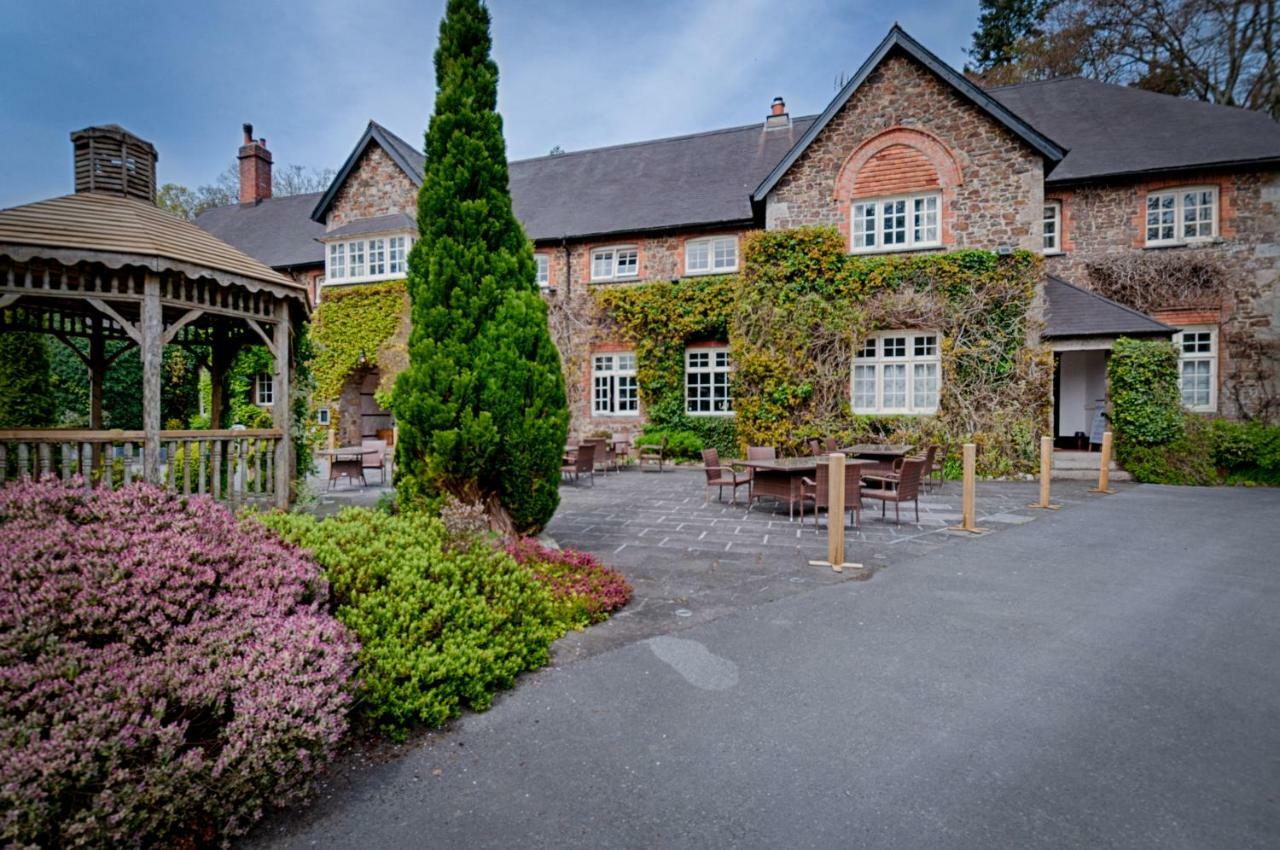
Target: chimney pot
x=248 y=133
x=778 y=107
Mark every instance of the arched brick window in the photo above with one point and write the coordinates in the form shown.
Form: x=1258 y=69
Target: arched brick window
x=895 y=191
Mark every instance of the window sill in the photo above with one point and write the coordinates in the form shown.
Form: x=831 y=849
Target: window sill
x=1193 y=243
x=911 y=249
x=723 y=414
x=598 y=415
x=711 y=273
x=626 y=279
x=933 y=412
x=1053 y=253
x=352 y=281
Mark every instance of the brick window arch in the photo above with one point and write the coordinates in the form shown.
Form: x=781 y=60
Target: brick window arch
x=900 y=161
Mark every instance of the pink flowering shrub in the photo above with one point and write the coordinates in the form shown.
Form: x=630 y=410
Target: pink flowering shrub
x=165 y=671
x=584 y=590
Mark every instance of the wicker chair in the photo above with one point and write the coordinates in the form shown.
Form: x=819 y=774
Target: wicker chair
x=605 y=456
x=374 y=457
x=815 y=447
x=818 y=491
x=759 y=453
x=830 y=445
x=584 y=462
x=722 y=476
x=898 y=487
x=938 y=468
x=653 y=455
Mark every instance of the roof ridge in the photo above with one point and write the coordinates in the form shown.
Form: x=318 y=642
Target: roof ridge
x=1062 y=79
x=677 y=138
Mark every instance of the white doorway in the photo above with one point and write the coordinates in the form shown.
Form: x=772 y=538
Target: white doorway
x=1082 y=391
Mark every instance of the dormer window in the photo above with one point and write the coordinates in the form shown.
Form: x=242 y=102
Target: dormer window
x=1182 y=216
x=367 y=259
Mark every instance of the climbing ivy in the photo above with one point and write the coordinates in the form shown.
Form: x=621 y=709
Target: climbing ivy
x=368 y=320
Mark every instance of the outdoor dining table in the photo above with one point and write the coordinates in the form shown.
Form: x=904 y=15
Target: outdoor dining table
x=345 y=460
x=883 y=454
x=780 y=478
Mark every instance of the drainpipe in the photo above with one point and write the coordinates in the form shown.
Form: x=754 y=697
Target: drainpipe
x=568 y=268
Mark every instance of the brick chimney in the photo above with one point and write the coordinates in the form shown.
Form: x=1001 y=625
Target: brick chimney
x=255 y=168
x=777 y=117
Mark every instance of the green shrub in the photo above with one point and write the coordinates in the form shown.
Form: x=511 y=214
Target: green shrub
x=1146 y=401
x=440 y=629
x=681 y=445
x=1246 y=452
x=1185 y=460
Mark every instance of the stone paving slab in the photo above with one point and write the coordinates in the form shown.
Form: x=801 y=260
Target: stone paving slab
x=690 y=562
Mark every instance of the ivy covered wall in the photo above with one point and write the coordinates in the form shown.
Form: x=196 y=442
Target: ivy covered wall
x=369 y=321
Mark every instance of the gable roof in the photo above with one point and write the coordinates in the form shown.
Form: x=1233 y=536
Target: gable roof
x=1072 y=311
x=278 y=231
x=124 y=231
x=898 y=40
x=1113 y=130
x=403 y=154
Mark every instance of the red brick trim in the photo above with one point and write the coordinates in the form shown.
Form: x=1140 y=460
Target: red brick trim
x=590 y=247
x=1185 y=317
x=1226 y=202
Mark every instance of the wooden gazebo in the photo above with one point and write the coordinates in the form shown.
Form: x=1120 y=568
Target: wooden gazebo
x=107 y=264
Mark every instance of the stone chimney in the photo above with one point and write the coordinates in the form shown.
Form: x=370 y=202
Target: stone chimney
x=110 y=160
x=255 y=168
x=777 y=117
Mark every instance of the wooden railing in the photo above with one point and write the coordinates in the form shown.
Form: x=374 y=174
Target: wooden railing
x=238 y=466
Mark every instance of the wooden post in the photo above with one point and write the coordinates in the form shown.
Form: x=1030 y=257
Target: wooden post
x=969 y=509
x=835 y=515
x=1046 y=470
x=152 y=351
x=333 y=438
x=280 y=414
x=1104 y=468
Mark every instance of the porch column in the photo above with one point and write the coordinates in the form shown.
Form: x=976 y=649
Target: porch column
x=152 y=347
x=280 y=413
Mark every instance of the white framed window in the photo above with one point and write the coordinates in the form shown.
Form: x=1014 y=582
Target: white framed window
x=889 y=224
x=1179 y=216
x=712 y=255
x=397 y=255
x=1052 y=227
x=616 y=263
x=544 y=270
x=706 y=382
x=614 y=389
x=897 y=372
x=322 y=416
x=363 y=260
x=263 y=390
x=1198 y=367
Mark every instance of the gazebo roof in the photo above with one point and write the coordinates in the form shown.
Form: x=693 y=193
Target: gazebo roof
x=118 y=231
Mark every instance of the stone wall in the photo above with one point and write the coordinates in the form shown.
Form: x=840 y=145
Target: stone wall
x=992 y=181
x=375 y=187
x=1103 y=220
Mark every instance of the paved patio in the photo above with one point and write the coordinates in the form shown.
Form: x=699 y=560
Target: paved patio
x=691 y=562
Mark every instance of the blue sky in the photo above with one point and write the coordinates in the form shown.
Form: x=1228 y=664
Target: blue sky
x=185 y=74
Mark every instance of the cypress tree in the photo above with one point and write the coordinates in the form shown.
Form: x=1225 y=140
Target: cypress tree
x=481 y=407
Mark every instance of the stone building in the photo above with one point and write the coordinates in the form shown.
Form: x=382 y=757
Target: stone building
x=1110 y=183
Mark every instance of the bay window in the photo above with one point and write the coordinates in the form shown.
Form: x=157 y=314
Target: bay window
x=367 y=259
x=888 y=224
x=897 y=372
x=706 y=382
x=614 y=389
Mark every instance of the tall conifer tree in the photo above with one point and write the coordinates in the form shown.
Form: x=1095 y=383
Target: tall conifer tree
x=481 y=408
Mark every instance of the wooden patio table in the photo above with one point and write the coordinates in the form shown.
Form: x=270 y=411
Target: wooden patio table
x=345 y=460
x=780 y=478
x=883 y=454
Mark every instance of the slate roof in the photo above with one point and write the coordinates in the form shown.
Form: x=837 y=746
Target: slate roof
x=379 y=224
x=118 y=231
x=1073 y=312
x=278 y=231
x=1113 y=130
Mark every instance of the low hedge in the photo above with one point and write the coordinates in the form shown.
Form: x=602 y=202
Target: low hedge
x=681 y=445
x=168 y=670
x=441 y=626
x=583 y=590
x=1207 y=452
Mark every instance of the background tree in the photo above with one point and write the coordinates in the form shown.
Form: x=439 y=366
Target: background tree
x=25 y=397
x=481 y=408
x=225 y=189
x=1221 y=51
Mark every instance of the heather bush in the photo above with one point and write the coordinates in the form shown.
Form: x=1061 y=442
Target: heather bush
x=583 y=590
x=166 y=670
x=440 y=628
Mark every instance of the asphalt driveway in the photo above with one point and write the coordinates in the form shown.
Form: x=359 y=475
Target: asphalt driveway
x=1102 y=677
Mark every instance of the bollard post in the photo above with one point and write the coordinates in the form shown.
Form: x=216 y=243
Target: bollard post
x=1104 y=469
x=333 y=438
x=835 y=515
x=1046 y=468
x=969 y=511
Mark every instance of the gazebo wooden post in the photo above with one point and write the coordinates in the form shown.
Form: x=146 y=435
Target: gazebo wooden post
x=97 y=376
x=152 y=328
x=280 y=413
x=218 y=359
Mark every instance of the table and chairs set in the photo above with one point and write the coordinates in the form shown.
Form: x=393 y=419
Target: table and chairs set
x=351 y=462
x=887 y=473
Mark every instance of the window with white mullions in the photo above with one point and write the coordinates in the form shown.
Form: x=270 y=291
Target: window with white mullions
x=544 y=270
x=1197 y=368
x=711 y=255
x=897 y=372
x=377 y=257
x=1051 y=227
x=615 y=263
x=706 y=382
x=364 y=260
x=1179 y=216
x=615 y=391
x=264 y=390
x=889 y=223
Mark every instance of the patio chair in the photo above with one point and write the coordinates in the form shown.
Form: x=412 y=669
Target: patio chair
x=653 y=455
x=898 y=487
x=584 y=462
x=928 y=456
x=830 y=445
x=721 y=476
x=604 y=453
x=759 y=453
x=815 y=447
x=818 y=491
x=938 y=468
x=374 y=457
